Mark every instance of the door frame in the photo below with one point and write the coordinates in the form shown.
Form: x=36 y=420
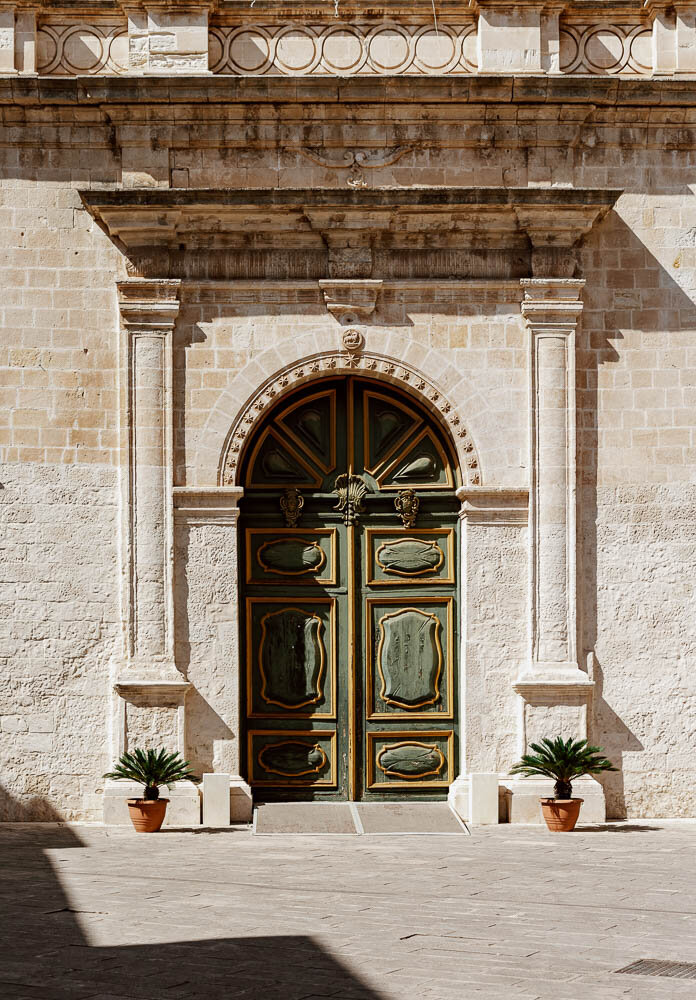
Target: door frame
x=358 y=757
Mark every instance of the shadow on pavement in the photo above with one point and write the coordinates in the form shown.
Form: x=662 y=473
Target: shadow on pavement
x=44 y=954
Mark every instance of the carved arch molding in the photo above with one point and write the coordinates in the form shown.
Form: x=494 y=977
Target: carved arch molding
x=350 y=362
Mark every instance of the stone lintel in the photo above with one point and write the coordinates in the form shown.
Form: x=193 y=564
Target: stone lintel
x=350 y=226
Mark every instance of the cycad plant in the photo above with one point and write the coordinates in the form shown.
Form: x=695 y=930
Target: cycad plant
x=152 y=768
x=562 y=760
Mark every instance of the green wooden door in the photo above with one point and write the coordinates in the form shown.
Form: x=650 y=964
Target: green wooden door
x=349 y=525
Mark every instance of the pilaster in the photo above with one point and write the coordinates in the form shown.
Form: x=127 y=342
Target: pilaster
x=148 y=691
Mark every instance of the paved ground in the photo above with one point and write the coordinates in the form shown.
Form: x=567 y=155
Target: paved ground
x=509 y=913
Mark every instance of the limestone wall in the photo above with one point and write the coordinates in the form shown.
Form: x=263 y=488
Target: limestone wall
x=61 y=595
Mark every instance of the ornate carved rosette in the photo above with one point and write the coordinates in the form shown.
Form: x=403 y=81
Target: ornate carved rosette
x=338 y=363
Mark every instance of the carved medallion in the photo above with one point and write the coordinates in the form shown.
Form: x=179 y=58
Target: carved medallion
x=407 y=504
x=291 y=556
x=409 y=557
x=291 y=658
x=291 y=504
x=409 y=658
x=292 y=758
x=410 y=760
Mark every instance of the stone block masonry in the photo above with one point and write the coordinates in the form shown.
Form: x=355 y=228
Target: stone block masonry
x=146 y=325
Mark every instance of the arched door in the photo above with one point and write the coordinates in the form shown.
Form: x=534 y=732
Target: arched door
x=349 y=524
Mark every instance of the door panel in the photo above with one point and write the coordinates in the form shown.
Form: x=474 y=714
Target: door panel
x=396 y=558
x=291 y=556
x=409 y=658
x=291 y=658
x=409 y=760
x=289 y=758
x=350 y=597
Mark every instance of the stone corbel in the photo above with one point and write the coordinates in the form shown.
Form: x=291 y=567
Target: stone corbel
x=350 y=300
x=494 y=505
x=554 y=232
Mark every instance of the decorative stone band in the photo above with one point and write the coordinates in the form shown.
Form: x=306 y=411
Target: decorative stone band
x=343 y=49
x=340 y=362
x=633 y=38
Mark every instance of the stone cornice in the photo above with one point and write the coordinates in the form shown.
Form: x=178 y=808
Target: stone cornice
x=531 y=89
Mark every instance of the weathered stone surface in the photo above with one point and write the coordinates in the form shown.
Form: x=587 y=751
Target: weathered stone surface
x=106 y=581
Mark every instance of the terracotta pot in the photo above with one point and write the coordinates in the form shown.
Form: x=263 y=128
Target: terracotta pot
x=561 y=815
x=147 y=816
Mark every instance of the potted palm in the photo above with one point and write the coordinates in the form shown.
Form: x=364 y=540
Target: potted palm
x=562 y=760
x=150 y=768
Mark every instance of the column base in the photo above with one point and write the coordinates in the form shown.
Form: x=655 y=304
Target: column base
x=523 y=795
x=518 y=799
x=184 y=807
x=241 y=800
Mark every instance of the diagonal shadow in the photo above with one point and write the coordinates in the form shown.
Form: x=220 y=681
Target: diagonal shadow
x=44 y=954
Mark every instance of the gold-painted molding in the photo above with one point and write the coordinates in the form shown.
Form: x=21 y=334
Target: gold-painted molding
x=401 y=712
x=293 y=579
x=426 y=432
x=293 y=735
x=417 y=418
x=403 y=579
x=408 y=736
x=410 y=743
x=313 y=482
x=303 y=401
x=292 y=712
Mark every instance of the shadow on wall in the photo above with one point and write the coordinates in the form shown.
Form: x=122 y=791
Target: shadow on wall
x=625 y=283
x=44 y=951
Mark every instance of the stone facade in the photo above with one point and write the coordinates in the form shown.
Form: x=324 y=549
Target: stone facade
x=196 y=201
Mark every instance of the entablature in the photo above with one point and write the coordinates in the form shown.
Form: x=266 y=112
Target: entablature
x=349 y=233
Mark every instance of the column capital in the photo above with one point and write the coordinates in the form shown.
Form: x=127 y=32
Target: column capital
x=551 y=302
x=500 y=505
x=149 y=305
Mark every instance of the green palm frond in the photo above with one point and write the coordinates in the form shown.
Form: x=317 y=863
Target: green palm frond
x=562 y=760
x=152 y=768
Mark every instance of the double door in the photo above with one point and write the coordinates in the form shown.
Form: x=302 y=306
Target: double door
x=349 y=525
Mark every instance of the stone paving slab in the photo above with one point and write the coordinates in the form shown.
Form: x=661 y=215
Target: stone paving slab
x=88 y=913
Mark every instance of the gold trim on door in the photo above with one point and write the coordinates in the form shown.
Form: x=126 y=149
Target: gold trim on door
x=408 y=737
x=304 y=736
x=290 y=712
x=299 y=579
x=404 y=579
x=303 y=401
x=427 y=432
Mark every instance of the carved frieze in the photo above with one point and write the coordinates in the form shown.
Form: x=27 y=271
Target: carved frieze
x=601 y=47
x=342 y=48
x=71 y=48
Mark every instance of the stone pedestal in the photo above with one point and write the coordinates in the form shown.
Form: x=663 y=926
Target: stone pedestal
x=524 y=795
x=184 y=807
